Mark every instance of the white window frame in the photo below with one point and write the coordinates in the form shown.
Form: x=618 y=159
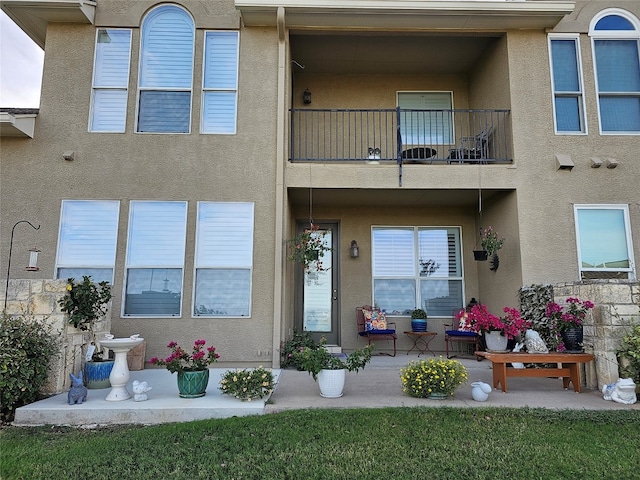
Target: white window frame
x=612 y=35
x=627 y=226
x=105 y=88
x=227 y=89
x=579 y=94
x=133 y=247
x=417 y=276
x=226 y=245
x=174 y=89
x=422 y=137
x=79 y=244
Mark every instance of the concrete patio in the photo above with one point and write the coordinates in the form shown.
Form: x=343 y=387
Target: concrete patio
x=376 y=386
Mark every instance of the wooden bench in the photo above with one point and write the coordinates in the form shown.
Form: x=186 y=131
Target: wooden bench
x=568 y=368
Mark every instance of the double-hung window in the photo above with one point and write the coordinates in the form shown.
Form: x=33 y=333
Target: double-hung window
x=615 y=36
x=87 y=239
x=155 y=258
x=417 y=267
x=166 y=71
x=110 y=80
x=603 y=234
x=220 y=82
x=426 y=118
x=223 y=260
x=566 y=76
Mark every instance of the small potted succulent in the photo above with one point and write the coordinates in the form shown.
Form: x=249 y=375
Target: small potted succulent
x=418 y=320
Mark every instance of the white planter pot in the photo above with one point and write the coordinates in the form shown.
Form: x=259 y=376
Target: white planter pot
x=496 y=342
x=331 y=383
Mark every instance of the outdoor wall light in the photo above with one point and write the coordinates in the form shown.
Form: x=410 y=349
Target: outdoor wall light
x=33 y=260
x=306 y=97
x=355 y=250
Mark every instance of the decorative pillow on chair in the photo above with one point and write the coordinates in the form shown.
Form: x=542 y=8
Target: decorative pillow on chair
x=374 y=320
x=464 y=324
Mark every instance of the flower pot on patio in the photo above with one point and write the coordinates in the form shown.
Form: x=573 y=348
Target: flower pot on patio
x=495 y=341
x=331 y=382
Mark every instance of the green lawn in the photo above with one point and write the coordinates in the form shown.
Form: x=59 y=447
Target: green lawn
x=390 y=443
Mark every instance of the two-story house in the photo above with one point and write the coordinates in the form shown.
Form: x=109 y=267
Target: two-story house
x=180 y=144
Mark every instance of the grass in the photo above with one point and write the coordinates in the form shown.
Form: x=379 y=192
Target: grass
x=390 y=443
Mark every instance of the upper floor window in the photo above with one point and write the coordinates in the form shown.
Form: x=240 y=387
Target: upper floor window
x=155 y=258
x=220 y=82
x=110 y=80
x=87 y=239
x=417 y=267
x=566 y=76
x=615 y=36
x=420 y=127
x=224 y=259
x=603 y=234
x=166 y=71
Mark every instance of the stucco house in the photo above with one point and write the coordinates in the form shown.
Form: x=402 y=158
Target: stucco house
x=180 y=144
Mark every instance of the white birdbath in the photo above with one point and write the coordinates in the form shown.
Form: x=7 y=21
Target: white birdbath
x=120 y=372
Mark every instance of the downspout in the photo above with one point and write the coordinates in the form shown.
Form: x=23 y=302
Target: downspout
x=279 y=219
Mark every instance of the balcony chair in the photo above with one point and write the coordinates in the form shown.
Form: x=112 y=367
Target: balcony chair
x=375 y=327
x=454 y=333
x=473 y=149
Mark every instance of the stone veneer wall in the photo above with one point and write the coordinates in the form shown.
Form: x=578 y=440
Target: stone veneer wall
x=39 y=299
x=617 y=305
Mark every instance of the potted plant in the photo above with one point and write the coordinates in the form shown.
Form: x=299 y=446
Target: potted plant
x=491 y=242
x=85 y=303
x=497 y=330
x=247 y=384
x=330 y=370
x=567 y=324
x=298 y=341
x=418 y=320
x=629 y=356
x=192 y=368
x=434 y=378
x=308 y=248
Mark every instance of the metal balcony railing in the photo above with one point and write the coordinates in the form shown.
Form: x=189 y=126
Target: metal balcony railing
x=400 y=135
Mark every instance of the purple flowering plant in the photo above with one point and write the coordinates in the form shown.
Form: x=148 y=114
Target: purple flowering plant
x=511 y=324
x=181 y=360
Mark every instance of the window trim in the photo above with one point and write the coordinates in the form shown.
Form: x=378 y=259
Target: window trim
x=417 y=278
x=140 y=88
x=627 y=225
x=578 y=94
x=612 y=35
x=95 y=88
x=212 y=89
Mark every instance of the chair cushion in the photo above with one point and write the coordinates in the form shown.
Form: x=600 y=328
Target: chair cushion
x=374 y=320
x=378 y=332
x=458 y=333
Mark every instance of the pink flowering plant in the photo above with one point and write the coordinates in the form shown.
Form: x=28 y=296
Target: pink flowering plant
x=308 y=248
x=181 y=360
x=490 y=240
x=511 y=324
x=563 y=319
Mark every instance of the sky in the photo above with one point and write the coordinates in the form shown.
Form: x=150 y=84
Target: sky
x=20 y=67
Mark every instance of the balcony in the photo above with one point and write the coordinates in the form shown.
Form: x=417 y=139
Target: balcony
x=401 y=136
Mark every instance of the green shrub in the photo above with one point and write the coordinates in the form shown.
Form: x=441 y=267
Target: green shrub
x=247 y=384
x=629 y=355
x=299 y=341
x=27 y=346
x=533 y=306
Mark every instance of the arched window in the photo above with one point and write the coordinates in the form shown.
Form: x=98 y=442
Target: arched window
x=166 y=71
x=615 y=37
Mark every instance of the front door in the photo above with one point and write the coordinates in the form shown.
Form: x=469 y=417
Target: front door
x=317 y=290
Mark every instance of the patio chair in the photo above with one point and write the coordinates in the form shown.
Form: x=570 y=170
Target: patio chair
x=375 y=327
x=455 y=334
x=472 y=149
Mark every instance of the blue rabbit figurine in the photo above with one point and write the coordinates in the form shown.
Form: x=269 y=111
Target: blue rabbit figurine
x=78 y=392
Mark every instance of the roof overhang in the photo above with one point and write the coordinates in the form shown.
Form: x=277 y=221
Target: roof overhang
x=32 y=16
x=407 y=14
x=17 y=124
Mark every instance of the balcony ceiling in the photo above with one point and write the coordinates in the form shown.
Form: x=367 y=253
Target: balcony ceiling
x=441 y=15
x=384 y=53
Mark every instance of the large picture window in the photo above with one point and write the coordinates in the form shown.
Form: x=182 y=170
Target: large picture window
x=566 y=75
x=166 y=71
x=603 y=235
x=417 y=267
x=87 y=239
x=155 y=258
x=110 y=80
x=615 y=36
x=220 y=83
x=224 y=259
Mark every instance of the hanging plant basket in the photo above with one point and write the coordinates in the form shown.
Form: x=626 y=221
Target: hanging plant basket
x=308 y=248
x=480 y=255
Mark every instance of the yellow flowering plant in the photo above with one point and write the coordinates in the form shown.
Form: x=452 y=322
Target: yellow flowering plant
x=422 y=378
x=247 y=384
